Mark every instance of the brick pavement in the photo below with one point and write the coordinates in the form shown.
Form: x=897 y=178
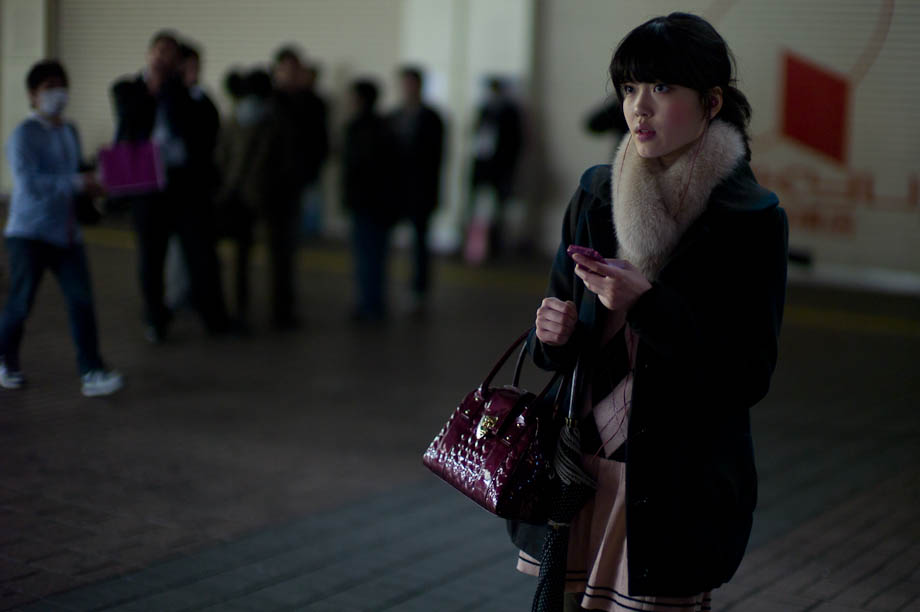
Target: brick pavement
x=242 y=465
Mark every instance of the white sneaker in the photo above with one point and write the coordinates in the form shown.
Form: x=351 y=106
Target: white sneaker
x=10 y=379
x=101 y=382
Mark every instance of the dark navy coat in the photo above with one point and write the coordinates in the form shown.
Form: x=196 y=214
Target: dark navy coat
x=708 y=333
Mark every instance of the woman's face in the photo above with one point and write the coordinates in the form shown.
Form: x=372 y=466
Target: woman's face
x=665 y=120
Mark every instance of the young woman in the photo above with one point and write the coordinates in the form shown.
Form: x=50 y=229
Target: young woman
x=676 y=330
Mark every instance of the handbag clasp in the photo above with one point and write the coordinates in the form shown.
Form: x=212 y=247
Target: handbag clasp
x=487 y=422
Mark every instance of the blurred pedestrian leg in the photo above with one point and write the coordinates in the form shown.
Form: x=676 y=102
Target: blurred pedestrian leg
x=371 y=250
x=177 y=280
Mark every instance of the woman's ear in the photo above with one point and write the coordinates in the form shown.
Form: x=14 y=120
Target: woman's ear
x=714 y=99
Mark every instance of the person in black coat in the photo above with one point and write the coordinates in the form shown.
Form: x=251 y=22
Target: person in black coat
x=299 y=146
x=367 y=190
x=207 y=122
x=156 y=105
x=676 y=329
x=497 y=145
x=419 y=151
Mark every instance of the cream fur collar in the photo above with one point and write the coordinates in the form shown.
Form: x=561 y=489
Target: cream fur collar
x=649 y=214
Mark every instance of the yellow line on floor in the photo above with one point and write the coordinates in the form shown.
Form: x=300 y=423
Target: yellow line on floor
x=844 y=321
x=338 y=261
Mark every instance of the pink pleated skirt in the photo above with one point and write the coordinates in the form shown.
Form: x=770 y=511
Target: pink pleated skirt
x=597 y=551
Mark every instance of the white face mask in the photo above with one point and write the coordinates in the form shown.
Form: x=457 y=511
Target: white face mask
x=249 y=111
x=51 y=102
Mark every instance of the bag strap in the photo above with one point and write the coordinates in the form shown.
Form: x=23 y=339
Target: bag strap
x=517 y=369
x=573 y=392
x=501 y=361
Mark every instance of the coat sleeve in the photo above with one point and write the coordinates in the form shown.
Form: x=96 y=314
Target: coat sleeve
x=562 y=286
x=725 y=335
x=49 y=191
x=129 y=111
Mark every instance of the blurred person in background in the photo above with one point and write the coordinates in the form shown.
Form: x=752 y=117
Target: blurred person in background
x=367 y=180
x=244 y=161
x=608 y=119
x=42 y=231
x=419 y=133
x=157 y=105
x=177 y=289
x=312 y=200
x=300 y=146
x=496 y=150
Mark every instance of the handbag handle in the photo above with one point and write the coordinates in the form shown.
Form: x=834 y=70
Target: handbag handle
x=517 y=370
x=498 y=366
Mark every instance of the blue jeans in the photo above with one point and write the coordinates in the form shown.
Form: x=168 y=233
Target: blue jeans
x=28 y=261
x=421 y=274
x=370 y=241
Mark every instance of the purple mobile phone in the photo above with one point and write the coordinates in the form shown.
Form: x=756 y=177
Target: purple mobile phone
x=585 y=252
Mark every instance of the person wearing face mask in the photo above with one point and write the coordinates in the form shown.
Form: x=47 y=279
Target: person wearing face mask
x=245 y=168
x=42 y=231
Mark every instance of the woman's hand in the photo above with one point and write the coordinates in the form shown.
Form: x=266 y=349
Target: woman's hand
x=556 y=321
x=617 y=283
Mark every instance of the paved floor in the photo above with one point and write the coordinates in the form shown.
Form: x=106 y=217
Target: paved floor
x=281 y=472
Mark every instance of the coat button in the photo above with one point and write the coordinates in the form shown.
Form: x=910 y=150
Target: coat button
x=642 y=501
x=644 y=573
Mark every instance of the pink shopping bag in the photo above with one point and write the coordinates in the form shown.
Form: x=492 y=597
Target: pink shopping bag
x=131 y=168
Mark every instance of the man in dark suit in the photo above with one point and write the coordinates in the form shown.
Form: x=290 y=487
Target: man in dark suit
x=300 y=145
x=156 y=105
x=419 y=134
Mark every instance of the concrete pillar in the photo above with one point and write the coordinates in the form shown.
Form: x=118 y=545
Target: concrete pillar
x=459 y=43
x=25 y=37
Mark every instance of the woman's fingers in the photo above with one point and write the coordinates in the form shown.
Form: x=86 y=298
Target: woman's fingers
x=556 y=321
x=555 y=316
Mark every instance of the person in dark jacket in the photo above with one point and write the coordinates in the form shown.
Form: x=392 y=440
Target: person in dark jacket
x=419 y=150
x=367 y=178
x=299 y=148
x=178 y=290
x=676 y=330
x=156 y=105
x=312 y=203
x=608 y=119
x=497 y=147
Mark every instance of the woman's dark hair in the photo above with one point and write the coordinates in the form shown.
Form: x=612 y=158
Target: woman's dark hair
x=44 y=70
x=367 y=92
x=683 y=49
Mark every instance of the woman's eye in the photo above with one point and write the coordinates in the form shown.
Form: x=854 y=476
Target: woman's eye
x=627 y=89
x=662 y=88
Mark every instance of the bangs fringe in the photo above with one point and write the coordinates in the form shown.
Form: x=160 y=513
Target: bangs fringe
x=657 y=53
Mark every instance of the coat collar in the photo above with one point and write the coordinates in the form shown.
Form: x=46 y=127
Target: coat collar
x=653 y=207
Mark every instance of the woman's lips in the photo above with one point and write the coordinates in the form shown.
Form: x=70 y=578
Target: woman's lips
x=644 y=134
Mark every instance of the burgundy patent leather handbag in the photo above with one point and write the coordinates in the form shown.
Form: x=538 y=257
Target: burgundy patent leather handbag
x=498 y=444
